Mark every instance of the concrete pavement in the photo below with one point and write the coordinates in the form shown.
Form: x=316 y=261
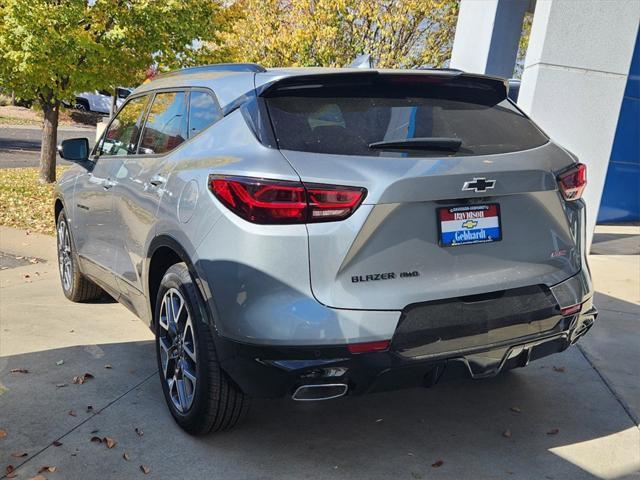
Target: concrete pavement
x=20 y=144
x=588 y=397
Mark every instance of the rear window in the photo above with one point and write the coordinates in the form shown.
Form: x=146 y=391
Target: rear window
x=346 y=117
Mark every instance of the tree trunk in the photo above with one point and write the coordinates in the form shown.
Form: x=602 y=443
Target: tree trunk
x=49 y=141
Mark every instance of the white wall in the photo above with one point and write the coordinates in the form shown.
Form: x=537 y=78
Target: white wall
x=574 y=79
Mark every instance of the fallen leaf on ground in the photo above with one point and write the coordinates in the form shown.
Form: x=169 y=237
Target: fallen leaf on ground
x=26 y=275
x=559 y=369
x=19 y=454
x=108 y=365
x=145 y=469
x=96 y=439
x=94 y=431
x=3 y=433
x=19 y=370
x=109 y=441
x=62 y=385
x=73 y=413
x=379 y=420
x=125 y=455
x=9 y=469
x=57 y=443
x=139 y=432
x=553 y=431
x=80 y=379
x=437 y=464
x=47 y=468
x=38 y=477
x=506 y=434
x=515 y=409
x=60 y=362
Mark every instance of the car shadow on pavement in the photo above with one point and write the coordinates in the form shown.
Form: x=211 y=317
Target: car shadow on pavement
x=553 y=419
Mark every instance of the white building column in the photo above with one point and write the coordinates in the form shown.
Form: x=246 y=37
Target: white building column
x=574 y=78
x=487 y=36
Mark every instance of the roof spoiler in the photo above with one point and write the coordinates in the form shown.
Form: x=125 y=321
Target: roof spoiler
x=498 y=86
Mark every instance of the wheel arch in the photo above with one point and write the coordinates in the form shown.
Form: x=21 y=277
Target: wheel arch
x=57 y=208
x=165 y=251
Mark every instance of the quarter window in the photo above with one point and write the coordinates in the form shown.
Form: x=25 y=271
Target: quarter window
x=166 y=125
x=203 y=111
x=121 y=137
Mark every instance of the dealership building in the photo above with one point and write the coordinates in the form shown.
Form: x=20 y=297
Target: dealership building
x=580 y=83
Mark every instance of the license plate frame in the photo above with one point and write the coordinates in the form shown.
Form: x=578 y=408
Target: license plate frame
x=452 y=233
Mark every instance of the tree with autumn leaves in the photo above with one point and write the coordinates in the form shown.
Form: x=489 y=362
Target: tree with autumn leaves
x=52 y=49
x=396 y=33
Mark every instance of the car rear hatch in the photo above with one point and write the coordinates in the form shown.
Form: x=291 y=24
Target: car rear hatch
x=462 y=196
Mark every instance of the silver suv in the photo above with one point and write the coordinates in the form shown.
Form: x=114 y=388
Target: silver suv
x=319 y=232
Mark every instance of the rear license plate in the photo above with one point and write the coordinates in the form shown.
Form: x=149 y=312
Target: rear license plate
x=468 y=224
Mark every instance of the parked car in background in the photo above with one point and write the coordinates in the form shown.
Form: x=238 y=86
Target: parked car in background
x=314 y=233
x=100 y=100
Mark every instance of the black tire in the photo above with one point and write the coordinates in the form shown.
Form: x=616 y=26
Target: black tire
x=82 y=105
x=216 y=403
x=75 y=285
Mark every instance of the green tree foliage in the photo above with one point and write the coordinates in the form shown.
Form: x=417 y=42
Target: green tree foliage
x=52 y=49
x=396 y=33
x=523 y=44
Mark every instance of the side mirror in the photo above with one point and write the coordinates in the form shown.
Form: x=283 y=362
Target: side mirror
x=75 y=150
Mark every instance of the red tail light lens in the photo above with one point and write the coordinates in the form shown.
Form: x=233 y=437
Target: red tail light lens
x=573 y=181
x=573 y=309
x=368 y=347
x=277 y=202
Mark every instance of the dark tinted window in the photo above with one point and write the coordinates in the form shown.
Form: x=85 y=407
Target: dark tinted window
x=203 y=111
x=166 y=125
x=346 y=118
x=122 y=135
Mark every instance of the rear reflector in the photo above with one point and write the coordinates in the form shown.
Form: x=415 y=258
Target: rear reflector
x=368 y=347
x=276 y=201
x=573 y=181
x=565 y=312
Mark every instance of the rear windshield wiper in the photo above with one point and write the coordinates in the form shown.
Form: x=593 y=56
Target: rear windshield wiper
x=420 y=143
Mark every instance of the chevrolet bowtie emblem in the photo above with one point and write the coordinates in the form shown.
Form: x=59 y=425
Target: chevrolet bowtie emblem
x=480 y=184
x=469 y=224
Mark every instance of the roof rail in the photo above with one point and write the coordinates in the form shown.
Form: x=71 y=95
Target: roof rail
x=216 y=67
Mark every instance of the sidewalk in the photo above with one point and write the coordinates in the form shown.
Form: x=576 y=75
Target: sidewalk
x=572 y=419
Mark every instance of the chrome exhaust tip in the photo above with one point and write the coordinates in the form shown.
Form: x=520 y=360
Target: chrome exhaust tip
x=312 y=393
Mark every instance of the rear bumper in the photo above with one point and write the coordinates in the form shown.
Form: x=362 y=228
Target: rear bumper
x=272 y=371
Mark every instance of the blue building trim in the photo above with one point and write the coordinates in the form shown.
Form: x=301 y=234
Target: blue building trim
x=621 y=196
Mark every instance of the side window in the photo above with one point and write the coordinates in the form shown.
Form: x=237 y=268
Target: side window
x=166 y=125
x=203 y=111
x=121 y=137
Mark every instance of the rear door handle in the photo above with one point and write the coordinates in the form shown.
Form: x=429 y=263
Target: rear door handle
x=157 y=180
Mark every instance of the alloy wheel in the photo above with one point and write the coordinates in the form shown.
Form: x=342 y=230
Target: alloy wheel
x=64 y=255
x=178 y=358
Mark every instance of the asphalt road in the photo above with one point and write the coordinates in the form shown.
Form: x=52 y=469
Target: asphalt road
x=562 y=417
x=20 y=145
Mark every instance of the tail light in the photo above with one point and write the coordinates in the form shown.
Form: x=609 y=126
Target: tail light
x=368 y=347
x=573 y=181
x=573 y=309
x=276 y=202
